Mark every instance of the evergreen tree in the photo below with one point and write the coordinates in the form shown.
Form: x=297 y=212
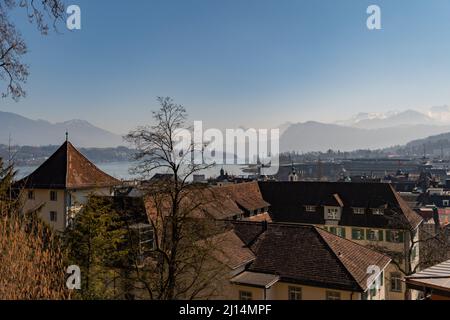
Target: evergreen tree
x=96 y=243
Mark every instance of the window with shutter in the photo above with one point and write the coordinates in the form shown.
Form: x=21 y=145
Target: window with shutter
x=357 y=234
x=388 y=236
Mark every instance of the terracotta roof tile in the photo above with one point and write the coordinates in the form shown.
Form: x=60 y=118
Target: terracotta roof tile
x=307 y=255
x=247 y=195
x=67 y=168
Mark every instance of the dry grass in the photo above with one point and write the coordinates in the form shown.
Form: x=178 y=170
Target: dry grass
x=31 y=261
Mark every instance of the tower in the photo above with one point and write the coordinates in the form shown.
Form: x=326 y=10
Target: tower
x=293 y=175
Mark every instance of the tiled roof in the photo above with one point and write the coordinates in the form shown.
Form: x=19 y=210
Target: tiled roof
x=199 y=202
x=255 y=279
x=67 y=168
x=230 y=250
x=308 y=255
x=247 y=195
x=287 y=201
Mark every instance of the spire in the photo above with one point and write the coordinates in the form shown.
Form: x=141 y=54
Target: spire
x=67 y=135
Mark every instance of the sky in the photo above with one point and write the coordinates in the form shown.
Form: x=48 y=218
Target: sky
x=252 y=63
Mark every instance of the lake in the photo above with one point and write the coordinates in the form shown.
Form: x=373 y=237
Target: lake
x=120 y=170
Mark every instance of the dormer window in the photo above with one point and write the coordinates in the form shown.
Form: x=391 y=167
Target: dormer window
x=359 y=210
x=332 y=213
x=310 y=208
x=378 y=211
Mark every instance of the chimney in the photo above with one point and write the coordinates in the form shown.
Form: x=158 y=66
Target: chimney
x=264 y=226
x=437 y=223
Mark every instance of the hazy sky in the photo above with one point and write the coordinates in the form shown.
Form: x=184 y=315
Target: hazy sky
x=238 y=62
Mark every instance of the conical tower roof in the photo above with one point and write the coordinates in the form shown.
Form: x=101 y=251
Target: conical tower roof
x=67 y=168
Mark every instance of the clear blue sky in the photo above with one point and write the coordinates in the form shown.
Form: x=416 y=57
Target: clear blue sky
x=238 y=62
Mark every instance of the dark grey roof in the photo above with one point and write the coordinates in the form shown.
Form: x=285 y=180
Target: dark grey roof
x=288 y=199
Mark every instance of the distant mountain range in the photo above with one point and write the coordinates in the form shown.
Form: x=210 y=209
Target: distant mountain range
x=24 y=131
x=366 y=131
x=363 y=131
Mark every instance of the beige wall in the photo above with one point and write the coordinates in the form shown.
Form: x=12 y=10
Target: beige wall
x=61 y=205
x=402 y=248
x=42 y=199
x=280 y=291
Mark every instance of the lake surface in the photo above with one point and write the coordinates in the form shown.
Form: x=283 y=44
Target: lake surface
x=121 y=170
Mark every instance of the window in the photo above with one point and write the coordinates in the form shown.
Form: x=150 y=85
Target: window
x=245 y=295
x=295 y=293
x=396 y=282
x=378 y=211
x=333 y=295
x=395 y=236
x=373 y=291
x=53 y=216
x=341 y=232
x=310 y=208
x=445 y=203
x=30 y=195
x=53 y=196
x=333 y=213
x=359 y=210
x=358 y=234
x=372 y=235
x=338 y=231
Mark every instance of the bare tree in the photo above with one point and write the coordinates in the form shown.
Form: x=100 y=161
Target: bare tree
x=181 y=265
x=12 y=46
x=420 y=248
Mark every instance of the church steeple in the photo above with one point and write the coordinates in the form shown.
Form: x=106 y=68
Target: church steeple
x=293 y=175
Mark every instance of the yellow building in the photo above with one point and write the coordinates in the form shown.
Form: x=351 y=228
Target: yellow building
x=303 y=262
x=370 y=214
x=61 y=186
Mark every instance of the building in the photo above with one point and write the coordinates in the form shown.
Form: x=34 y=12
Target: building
x=371 y=214
x=433 y=283
x=303 y=262
x=62 y=184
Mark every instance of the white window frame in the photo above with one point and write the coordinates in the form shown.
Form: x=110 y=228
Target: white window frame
x=359 y=210
x=341 y=232
x=294 y=293
x=375 y=233
x=377 y=211
x=310 y=209
x=395 y=236
x=332 y=213
x=245 y=295
x=333 y=295
x=445 y=203
x=396 y=284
